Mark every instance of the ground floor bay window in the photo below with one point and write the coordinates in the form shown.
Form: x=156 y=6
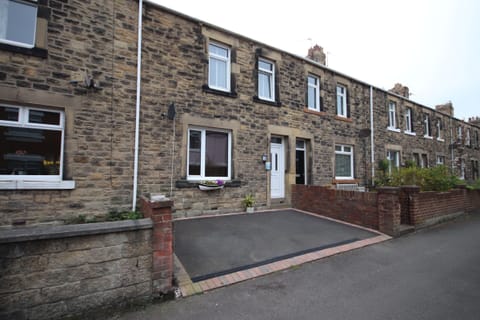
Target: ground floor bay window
x=31 y=141
x=209 y=154
x=343 y=162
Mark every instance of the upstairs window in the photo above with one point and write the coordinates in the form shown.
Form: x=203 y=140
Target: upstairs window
x=460 y=135
x=426 y=126
x=209 y=154
x=439 y=130
x=342 y=101
x=467 y=138
x=409 y=120
x=31 y=143
x=266 y=80
x=313 y=96
x=343 y=162
x=392 y=116
x=218 y=67
x=477 y=142
x=18 y=22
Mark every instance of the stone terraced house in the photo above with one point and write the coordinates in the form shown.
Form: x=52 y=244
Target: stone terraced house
x=212 y=104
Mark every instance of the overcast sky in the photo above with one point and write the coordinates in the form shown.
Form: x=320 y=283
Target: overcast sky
x=431 y=46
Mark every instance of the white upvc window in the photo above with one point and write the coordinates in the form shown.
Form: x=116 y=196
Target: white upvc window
x=439 y=130
x=409 y=121
x=440 y=160
x=344 y=162
x=31 y=153
x=427 y=128
x=218 y=67
x=392 y=115
x=209 y=155
x=18 y=22
x=467 y=137
x=266 y=80
x=342 y=101
x=460 y=134
x=313 y=93
x=393 y=157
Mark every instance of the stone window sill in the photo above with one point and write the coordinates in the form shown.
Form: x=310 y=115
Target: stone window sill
x=35 y=52
x=440 y=139
x=187 y=184
x=270 y=103
x=37 y=185
x=318 y=113
x=428 y=137
x=393 y=129
x=341 y=118
x=410 y=133
x=230 y=94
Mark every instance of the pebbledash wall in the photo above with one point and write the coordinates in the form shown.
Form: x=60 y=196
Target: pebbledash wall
x=99 y=39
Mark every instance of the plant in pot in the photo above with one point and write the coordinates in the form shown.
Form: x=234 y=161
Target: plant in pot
x=249 y=202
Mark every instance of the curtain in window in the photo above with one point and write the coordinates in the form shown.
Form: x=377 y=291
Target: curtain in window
x=216 y=155
x=264 y=85
x=218 y=73
x=342 y=165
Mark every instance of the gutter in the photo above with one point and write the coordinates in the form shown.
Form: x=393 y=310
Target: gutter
x=137 y=105
x=372 y=139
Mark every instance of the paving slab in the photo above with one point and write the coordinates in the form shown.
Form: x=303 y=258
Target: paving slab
x=220 y=245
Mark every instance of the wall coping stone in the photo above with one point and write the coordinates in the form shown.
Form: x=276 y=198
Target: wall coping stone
x=71 y=230
x=393 y=190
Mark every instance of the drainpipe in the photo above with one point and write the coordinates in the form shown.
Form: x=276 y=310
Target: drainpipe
x=137 y=105
x=372 y=133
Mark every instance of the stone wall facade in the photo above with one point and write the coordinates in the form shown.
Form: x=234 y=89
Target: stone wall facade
x=71 y=276
x=95 y=39
x=98 y=40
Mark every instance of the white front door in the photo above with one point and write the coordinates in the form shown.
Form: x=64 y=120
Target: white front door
x=277 y=182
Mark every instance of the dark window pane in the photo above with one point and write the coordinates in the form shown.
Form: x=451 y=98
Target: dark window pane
x=43 y=117
x=194 y=152
x=216 y=155
x=8 y=113
x=29 y=151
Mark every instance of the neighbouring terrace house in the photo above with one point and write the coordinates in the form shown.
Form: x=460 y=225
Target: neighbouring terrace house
x=87 y=127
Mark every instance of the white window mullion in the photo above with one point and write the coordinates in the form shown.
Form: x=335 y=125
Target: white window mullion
x=203 y=150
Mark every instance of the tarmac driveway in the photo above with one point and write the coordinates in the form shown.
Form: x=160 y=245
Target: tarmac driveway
x=211 y=247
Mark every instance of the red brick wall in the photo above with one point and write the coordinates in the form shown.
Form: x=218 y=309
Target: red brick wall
x=431 y=204
x=355 y=207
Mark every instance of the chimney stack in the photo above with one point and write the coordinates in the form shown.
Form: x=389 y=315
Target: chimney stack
x=316 y=54
x=446 y=108
x=401 y=90
x=474 y=121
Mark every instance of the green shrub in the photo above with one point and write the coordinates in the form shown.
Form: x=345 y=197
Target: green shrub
x=474 y=186
x=428 y=179
x=123 y=215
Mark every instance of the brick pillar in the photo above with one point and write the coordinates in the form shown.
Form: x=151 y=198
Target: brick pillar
x=410 y=193
x=388 y=204
x=162 y=243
